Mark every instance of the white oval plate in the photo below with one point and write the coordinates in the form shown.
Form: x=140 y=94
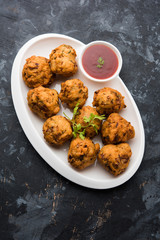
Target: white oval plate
x=94 y=176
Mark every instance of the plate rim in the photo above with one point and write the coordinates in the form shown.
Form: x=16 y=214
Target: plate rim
x=75 y=177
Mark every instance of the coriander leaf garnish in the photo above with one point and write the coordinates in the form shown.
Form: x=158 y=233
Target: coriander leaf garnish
x=99 y=66
x=66 y=116
x=74 y=134
x=78 y=129
x=90 y=120
x=79 y=126
x=95 y=127
x=101 y=62
x=75 y=110
x=102 y=117
x=86 y=119
x=92 y=117
x=82 y=134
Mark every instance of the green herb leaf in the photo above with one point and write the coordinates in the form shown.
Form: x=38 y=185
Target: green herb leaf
x=101 y=62
x=102 y=117
x=99 y=66
x=90 y=120
x=84 y=130
x=91 y=116
x=66 y=116
x=86 y=119
x=81 y=135
x=79 y=127
x=74 y=134
x=75 y=110
x=75 y=128
x=95 y=127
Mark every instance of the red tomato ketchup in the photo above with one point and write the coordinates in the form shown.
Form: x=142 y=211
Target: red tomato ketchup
x=100 y=61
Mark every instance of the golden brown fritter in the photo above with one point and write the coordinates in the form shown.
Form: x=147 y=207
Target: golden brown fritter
x=57 y=130
x=85 y=112
x=82 y=153
x=116 y=129
x=115 y=158
x=37 y=72
x=43 y=102
x=63 y=60
x=72 y=92
x=108 y=100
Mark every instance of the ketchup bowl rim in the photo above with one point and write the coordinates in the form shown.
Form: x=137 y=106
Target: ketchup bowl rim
x=113 y=48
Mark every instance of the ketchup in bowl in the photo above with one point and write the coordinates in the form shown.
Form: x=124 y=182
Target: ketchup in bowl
x=100 y=61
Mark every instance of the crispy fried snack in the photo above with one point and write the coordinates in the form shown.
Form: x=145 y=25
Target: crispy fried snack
x=43 y=102
x=82 y=153
x=72 y=92
x=116 y=129
x=85 y=112
x=57 y=130
x=115 y=158
x=108 y=100
x=37 y=72
x=63 y=60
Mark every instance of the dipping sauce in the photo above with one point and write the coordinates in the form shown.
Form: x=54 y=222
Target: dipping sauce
x=100 y=61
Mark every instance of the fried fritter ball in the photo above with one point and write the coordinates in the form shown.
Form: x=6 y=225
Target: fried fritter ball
x=72 y=92
x=82 y=153
x=115 y=158
x=108 y=100
x=37 y=72
x=57 y=130
x=43 y=102
x=116 y=129
x=85 y=111
x=63 y=60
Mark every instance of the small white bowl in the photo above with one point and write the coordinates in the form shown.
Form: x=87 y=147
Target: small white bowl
x=114 y=49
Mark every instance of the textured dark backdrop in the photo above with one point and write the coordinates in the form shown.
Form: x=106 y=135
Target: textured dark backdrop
x=35 y=201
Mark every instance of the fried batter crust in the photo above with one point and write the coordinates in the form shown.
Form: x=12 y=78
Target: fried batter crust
x=57 y=130
x=63 y=60
x=43 y=102
x=85 y=112
x=37 y=72
x=108 y=100
x=72 y=92
x=116 y=129
x=115 y=158
x=82 y=153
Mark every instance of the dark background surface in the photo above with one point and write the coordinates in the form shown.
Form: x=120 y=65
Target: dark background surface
x=35 y=201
